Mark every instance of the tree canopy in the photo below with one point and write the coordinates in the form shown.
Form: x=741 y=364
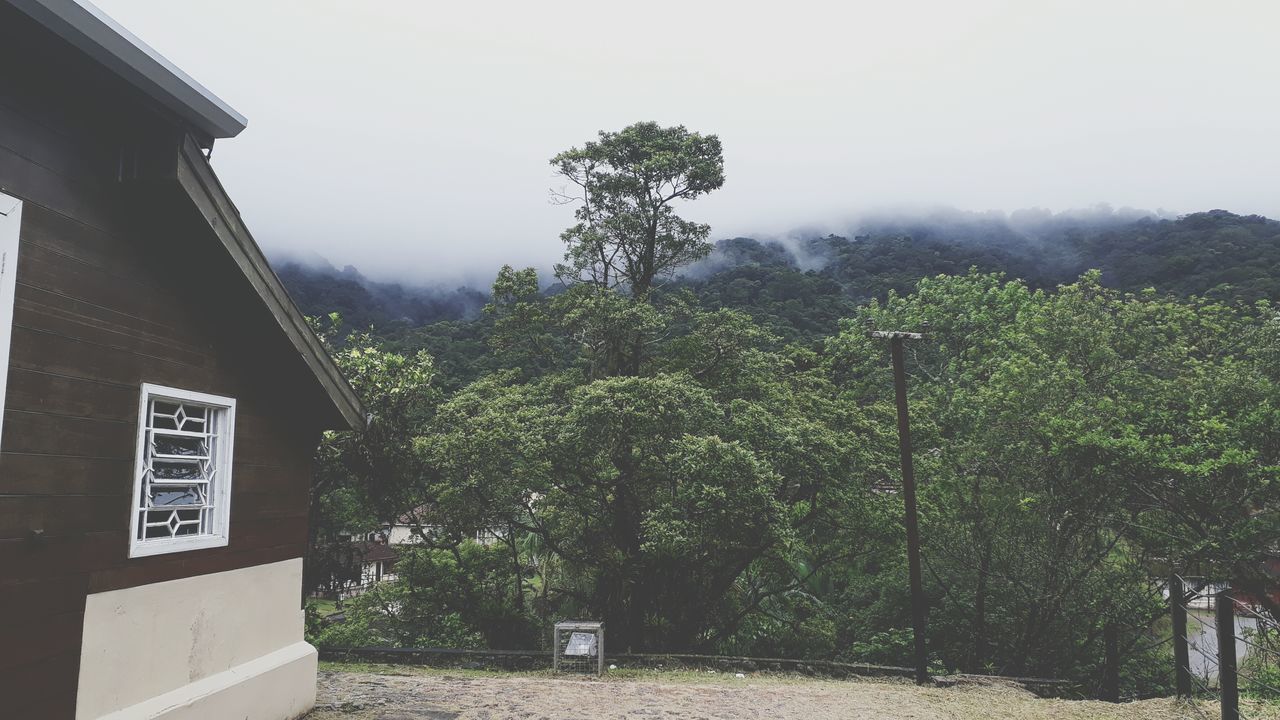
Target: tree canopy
x=711 y=464
x=626 y=185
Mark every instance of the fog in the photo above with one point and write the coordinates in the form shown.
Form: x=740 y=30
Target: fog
x=1030 y=230
x=411 y=139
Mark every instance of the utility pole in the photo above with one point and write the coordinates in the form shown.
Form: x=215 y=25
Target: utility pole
x=918 y=606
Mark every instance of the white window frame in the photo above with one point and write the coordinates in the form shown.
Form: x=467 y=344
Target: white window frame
x=10 y=222
x=220 y=494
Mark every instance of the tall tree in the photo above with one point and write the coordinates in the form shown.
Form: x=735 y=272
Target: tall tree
x=628 y=238
x=626 y=185
x=656 y=493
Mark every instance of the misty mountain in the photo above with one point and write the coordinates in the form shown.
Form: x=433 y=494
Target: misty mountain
x=800 y=286
x=319 y=288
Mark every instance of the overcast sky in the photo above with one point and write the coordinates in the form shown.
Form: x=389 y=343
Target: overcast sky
x=411 y=139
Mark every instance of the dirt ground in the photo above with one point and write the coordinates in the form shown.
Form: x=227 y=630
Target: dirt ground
x=414 y=694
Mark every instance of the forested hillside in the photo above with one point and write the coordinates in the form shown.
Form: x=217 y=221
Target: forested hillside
x=318 y=287
x=800 y=288
x=696 y=442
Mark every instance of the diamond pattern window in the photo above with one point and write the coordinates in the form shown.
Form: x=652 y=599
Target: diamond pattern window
x=182 y=482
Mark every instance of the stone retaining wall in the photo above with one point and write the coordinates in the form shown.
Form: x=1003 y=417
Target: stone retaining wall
x=541 y=660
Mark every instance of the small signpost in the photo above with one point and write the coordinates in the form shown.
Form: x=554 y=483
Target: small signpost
x=578 y=646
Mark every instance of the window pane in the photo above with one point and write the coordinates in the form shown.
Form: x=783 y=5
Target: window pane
x=179 y=445
x=177 y=470
x=179 y=478
x=176 y=496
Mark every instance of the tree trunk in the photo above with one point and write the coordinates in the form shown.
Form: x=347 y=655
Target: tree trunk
x=980 y=613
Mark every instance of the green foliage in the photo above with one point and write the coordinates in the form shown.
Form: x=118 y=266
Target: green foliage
x=713 y=466
x=363 y=478
x=523 y=333
x=612 y=331
x=390 y=615
x=883 y=648
x=619 y=468
x=1072 y=442
x=800 y=291
x=1216 y=253
x=1260 y=669
x=470 y=583
x=1261 y=680
x=651 y=488
x=625 y=185
x=731 y=494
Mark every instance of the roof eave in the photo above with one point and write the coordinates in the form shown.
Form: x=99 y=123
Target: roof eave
x=106 y=41
x=201 y=184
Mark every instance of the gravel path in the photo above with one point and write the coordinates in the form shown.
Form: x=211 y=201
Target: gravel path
x=438 y=695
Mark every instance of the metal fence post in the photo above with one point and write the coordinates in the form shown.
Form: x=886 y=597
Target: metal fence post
x=1227 y=680
x=1181 y=653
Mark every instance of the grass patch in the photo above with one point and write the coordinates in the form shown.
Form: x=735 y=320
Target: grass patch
x=324 y=607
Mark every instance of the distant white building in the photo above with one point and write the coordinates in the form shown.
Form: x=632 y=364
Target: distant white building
x=408 y=529
x=377 y=564
x=377 y=552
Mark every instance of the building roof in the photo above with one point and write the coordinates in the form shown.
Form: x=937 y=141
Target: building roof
x=202 y=116
x=370 y=551
x=106 y=41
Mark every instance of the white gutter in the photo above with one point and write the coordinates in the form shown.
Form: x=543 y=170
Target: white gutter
x=93 y=31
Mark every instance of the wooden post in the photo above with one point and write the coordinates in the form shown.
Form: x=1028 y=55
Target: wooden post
x=600 y=652
x=1111 y=665
x=1181 y=652
x=1227 y=680
x=918 y=604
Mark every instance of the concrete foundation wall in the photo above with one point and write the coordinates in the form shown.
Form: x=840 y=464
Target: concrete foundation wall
x=222 y=645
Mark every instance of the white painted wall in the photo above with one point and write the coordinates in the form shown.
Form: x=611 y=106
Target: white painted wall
x=406 y=535
x=402 y=535
x=223 y=645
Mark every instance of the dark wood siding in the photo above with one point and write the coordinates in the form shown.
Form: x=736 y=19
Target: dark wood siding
x=117 y=286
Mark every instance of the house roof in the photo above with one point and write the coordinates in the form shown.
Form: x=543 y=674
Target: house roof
x=106 y=41
x=201 y=117
x=370 y=551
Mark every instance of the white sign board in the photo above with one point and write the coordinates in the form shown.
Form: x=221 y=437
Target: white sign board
x=10 y=219
x=581 y=644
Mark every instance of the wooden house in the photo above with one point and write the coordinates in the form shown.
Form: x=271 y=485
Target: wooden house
x=162 y=398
